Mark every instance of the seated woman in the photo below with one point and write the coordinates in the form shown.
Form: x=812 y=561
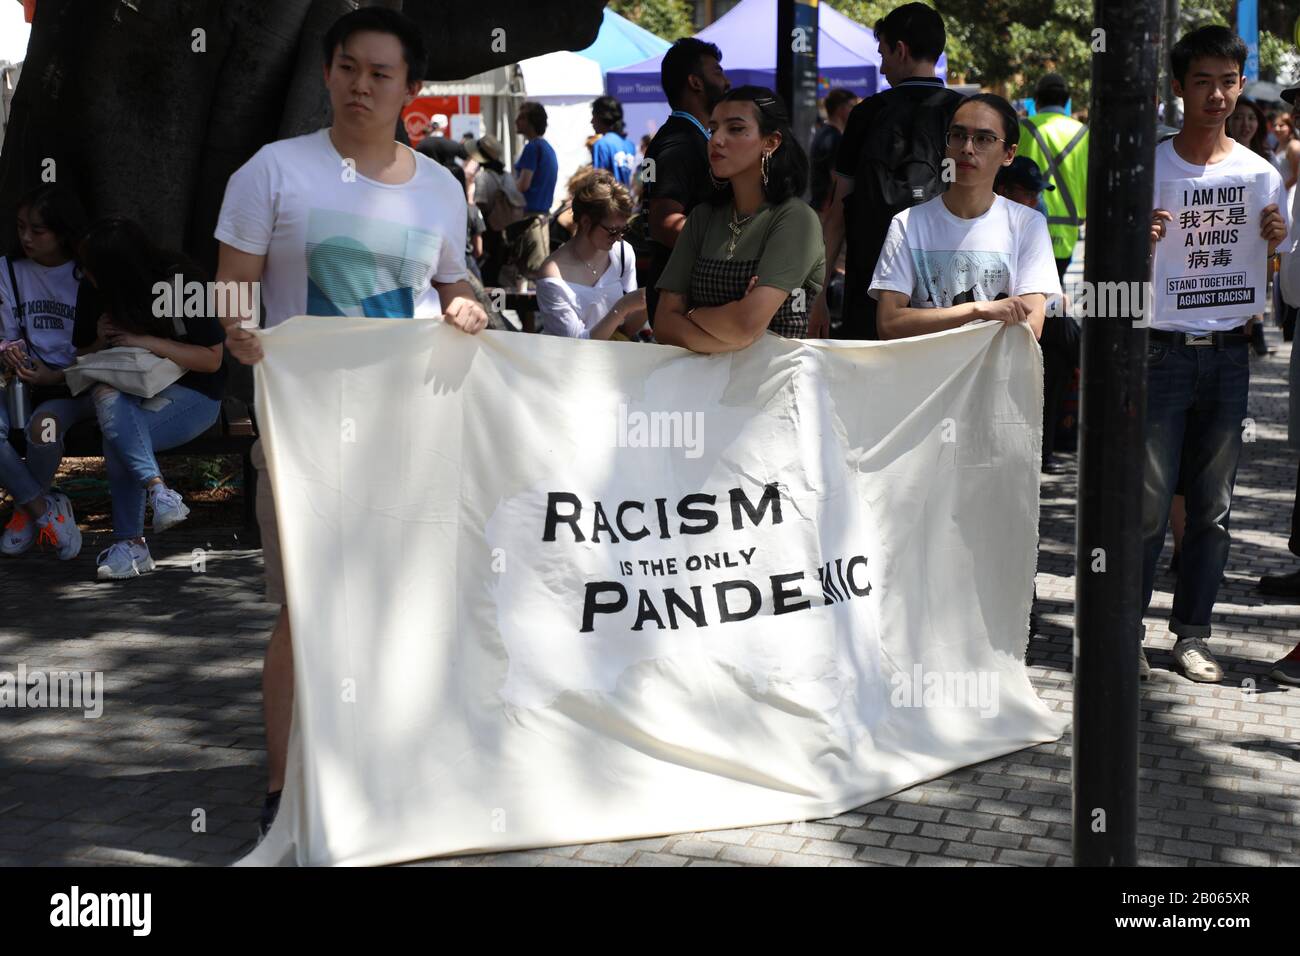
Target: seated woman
x=587 y=287
x=969 y=254
x=40 y=325
x=124 y=264
x=750 y=260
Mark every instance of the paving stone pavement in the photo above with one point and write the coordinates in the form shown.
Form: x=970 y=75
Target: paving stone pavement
x=181 y=730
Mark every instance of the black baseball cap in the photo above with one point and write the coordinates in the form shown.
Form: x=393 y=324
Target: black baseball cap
x=1023 y=171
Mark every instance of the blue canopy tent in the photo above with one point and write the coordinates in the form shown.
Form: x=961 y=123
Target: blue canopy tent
x=846 y=56
x=620 y=42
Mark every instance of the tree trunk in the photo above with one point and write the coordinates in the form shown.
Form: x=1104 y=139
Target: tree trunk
x=141 y=124
x=257 y=52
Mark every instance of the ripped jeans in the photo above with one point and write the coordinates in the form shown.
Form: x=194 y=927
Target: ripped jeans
x=133 y=433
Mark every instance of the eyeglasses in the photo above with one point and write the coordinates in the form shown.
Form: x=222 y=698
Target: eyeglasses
x=615 y=232
x=956 y=138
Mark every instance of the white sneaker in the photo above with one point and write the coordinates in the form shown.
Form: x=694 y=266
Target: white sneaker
x=19 y=534
x=123 y=559
x=168 y=508
x=1196 y=661
x=57 y=528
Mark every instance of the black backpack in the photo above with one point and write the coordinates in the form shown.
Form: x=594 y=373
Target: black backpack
x=902 y=156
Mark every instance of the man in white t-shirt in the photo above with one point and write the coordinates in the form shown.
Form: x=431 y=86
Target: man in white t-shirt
x=1198 y=365
x=343 y=221
x=968 y=254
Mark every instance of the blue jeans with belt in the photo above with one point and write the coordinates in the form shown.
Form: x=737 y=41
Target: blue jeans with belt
x=1196 y=415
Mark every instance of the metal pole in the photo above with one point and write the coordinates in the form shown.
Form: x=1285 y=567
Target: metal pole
x=1108 y=568
x=796 y=64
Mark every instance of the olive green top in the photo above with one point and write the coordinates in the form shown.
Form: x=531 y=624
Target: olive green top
x=786 y=239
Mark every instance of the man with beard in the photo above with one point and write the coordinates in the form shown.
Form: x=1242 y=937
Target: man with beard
x=676 y=168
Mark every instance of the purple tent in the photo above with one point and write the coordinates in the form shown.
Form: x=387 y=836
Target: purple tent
x=846 y=54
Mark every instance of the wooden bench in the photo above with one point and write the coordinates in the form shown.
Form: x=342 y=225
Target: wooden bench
x=232 y=434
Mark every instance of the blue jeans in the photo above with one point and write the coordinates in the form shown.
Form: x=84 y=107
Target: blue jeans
x=1196 y=412
x=131 y=436
x=28 y=480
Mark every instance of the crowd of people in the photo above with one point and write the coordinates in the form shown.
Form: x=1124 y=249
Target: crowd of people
x=928 y=210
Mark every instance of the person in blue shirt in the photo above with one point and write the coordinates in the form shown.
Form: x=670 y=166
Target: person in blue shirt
x=536 y=172
x=613 y=151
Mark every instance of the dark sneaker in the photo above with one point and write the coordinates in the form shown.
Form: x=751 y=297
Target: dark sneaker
x=270 y=807
x=1286 y=671
x=1281 y=585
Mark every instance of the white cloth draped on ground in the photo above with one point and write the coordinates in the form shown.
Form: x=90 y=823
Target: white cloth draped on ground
x=548 y=591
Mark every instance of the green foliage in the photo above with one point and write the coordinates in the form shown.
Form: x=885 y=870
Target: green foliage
x=1276 y=23
x=670 y=19
x=994 y=42
x=1271 y=50
x=1011 y=43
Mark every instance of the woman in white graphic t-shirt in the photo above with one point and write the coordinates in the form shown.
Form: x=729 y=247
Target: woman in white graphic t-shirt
x=38 y=340
x=967 y=255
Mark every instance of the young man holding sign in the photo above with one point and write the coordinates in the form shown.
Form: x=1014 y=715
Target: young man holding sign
x=1218 y=220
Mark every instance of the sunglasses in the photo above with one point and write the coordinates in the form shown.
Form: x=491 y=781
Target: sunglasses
x=615 y=232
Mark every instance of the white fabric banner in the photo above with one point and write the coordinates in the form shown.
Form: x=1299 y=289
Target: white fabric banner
x=546 y=591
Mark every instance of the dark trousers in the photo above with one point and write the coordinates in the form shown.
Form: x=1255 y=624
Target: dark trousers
x=858 y=319
x=1060 y=358
x=1196 y=405
x=1294 y=543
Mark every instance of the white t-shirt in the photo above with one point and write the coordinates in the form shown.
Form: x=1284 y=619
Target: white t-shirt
x=46 y=314
x=1289 y=276
x=572 y=309
x=938 y=259
x=340 y=247
x=1242 y=161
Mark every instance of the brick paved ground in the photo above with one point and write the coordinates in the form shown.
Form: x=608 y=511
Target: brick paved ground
x=1220 y=779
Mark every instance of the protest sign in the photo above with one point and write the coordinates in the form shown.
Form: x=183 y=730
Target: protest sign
x=1212 y=262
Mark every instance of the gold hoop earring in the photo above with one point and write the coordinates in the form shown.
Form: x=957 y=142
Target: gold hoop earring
x=765 y=166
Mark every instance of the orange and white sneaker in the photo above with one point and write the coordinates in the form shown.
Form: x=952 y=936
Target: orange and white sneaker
x=19 y=534
x=58 y=527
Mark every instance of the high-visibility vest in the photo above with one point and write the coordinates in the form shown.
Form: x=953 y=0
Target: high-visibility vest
x=1059 y=145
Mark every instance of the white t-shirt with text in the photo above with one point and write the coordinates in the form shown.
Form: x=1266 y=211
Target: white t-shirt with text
x=45 y=316
x=938 y=259
x=338 y=243
x=1242 y=161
